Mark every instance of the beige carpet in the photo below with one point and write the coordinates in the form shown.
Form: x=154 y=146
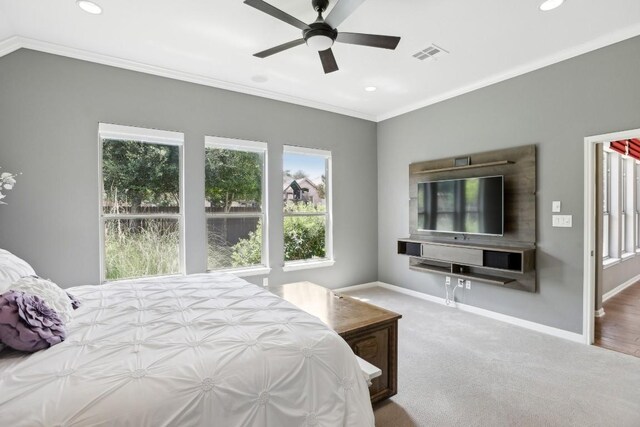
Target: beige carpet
x=460 y=369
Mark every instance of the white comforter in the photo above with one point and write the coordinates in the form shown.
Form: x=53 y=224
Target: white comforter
x=201 y=350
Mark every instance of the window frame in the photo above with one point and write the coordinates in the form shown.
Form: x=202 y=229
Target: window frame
x=636 y=203
x=148 y=136
x=628 y=234
x=623 y=190
x=329 y=259
x=606 y=204
x=255 y=147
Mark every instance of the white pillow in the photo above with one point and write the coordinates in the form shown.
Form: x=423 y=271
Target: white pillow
x=54 y=296
x=12 y=268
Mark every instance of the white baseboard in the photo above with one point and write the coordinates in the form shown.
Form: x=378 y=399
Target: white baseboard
x=357 y=287
x=599 y=312
x=613 y=292
x=538 y=327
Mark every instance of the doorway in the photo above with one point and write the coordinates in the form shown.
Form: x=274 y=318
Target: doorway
x=611 y=312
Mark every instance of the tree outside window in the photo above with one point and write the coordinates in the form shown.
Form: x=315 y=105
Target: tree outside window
x=234 y=203
x=141 y=207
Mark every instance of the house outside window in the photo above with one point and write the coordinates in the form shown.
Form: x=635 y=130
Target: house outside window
x=306 y=199
x=236 y=205
x=141 y=223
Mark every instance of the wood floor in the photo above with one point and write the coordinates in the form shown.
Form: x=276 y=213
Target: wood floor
x=619 y=328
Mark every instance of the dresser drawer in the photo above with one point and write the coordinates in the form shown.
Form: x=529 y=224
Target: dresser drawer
x=378 y=346
x=374 y=348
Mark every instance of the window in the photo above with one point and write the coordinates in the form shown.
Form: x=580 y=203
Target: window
x=637 y=204
x=628 y=236
x=606 y=191
x=620 y=206
x=141 y=199
x=306 y=197
x=235 y=205
x=623 y=208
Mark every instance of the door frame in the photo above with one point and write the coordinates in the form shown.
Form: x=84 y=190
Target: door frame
x=589 y=266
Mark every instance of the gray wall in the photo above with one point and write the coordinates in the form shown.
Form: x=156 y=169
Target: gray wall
x=555 y=108
x=617 y=274
x=50 y=108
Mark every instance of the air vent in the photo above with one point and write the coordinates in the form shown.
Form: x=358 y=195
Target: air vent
x=432 y=52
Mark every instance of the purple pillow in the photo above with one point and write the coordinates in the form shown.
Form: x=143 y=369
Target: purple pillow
x=27 y=323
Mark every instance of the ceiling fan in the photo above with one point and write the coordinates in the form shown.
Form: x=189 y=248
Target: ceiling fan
x=322 y=33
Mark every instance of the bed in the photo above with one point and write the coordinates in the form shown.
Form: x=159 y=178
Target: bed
x=198 y=350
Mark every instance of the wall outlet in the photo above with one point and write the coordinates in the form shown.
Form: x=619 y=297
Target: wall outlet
x=468 y=284
x=461 y=282
x=562 y=221
x=265 y=282
x=447 y=280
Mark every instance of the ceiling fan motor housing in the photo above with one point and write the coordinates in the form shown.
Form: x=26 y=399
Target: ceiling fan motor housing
x=320 y=5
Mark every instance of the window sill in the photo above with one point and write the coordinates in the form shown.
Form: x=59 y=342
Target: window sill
x=259 y=270
x=627 y=255
x=306 y=265
x=610 y=262
x=139 y=278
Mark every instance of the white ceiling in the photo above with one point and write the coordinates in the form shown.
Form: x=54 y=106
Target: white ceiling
x=212 y=42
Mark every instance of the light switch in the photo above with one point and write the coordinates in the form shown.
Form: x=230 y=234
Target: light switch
x=556 y=206
x=562 y=221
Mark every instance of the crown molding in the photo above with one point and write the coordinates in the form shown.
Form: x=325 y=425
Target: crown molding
x=14 y=43
x=18 y=42
x=9 y=45
x=604 y=41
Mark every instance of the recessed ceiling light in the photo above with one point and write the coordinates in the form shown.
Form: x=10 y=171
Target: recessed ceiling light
x=89 y=7
x=370 y=88
x=550 y=5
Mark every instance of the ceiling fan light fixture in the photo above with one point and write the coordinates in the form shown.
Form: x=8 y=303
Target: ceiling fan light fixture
x=89 y=7
x=548 y=5
x=321 y=34
x=319 y=42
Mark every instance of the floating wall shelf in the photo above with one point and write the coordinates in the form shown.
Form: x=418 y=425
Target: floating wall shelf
x=457 y=168
x=511 y=267
x=508 y=260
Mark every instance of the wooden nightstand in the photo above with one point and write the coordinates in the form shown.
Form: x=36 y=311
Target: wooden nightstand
x=370 y=331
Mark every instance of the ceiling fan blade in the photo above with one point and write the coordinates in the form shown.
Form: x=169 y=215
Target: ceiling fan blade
x=276 y=13
x=341 y=11
x=328 y=61
x=279 y=48
x=372 y=40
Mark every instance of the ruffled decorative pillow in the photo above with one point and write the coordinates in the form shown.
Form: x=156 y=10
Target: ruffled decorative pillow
x=12 y=268
x=27 y=323
x=49 y=292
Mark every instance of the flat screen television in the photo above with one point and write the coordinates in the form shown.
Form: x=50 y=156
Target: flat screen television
x=464 y=206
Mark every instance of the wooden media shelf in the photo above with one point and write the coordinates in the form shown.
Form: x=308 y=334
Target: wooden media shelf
x=507 y=266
